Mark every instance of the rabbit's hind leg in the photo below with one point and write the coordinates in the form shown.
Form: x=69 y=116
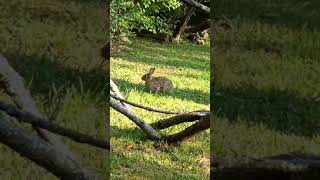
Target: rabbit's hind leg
x=157 y=90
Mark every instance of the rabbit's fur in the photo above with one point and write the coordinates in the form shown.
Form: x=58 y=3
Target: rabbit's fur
x=156 y=84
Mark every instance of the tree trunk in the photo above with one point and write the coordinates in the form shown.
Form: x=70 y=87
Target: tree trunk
x=184 y=24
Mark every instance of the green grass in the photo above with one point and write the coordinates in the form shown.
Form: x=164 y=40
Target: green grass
x=135 y=157
x=266 y=74
x=55 y=46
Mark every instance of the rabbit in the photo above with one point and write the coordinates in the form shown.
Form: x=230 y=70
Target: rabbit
x=156 y=84
x=198 y=39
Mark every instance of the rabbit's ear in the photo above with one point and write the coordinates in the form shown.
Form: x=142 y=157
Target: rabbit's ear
x=151 y=71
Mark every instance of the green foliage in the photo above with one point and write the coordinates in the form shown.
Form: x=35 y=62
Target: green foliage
x=142 y=14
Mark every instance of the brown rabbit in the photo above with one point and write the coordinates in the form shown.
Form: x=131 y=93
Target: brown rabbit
x=156 y=84
x=198 y=39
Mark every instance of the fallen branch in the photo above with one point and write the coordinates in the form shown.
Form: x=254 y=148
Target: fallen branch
x=294 y=166
x=201 y=125
x=52 y=126
x=197 y=5
x=42 y=153
x=181 y=117
x=149 y=131
x=143 y=107
x=14 y=86
x=114 y=89
x=175 y=120
x=124 y=101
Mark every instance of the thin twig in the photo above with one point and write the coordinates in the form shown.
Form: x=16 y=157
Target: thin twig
x=156 y=110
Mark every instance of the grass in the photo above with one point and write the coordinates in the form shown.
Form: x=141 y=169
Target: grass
x=135 y=157
x=266 y=74
x=55 y=46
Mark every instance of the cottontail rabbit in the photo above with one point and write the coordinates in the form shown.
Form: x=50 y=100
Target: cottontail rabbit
x=198 y=39
x=156 y=84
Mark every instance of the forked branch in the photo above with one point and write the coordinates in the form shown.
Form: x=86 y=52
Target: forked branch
x=175 y=120
x=147 y=129
x=199 y=126
x=202 y=117
x=13 y=84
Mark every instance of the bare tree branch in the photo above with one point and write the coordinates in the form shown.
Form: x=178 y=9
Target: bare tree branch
x=52 y=126
x=124 y=101
x=202 y=116
x=201 y=125
x=197 y=5
x=114 y=88
x=14 y=86
x=144 y=107
x=287 y=166
x=175 y=120
x=181 y=28
x=147 y=129
x=42 y=153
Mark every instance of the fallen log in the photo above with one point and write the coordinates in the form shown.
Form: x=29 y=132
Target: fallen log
x=286 y=166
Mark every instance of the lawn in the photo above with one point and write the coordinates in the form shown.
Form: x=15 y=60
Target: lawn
x=266 y=75
x=132 y=155
x=55 y=46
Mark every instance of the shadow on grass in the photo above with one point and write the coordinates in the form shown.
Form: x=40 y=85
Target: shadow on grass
x=128 y=163
x=278 y=110
x=197 y=96
x=137 y=136
x=42 y=74
x=134 y=134
x=292 y=14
